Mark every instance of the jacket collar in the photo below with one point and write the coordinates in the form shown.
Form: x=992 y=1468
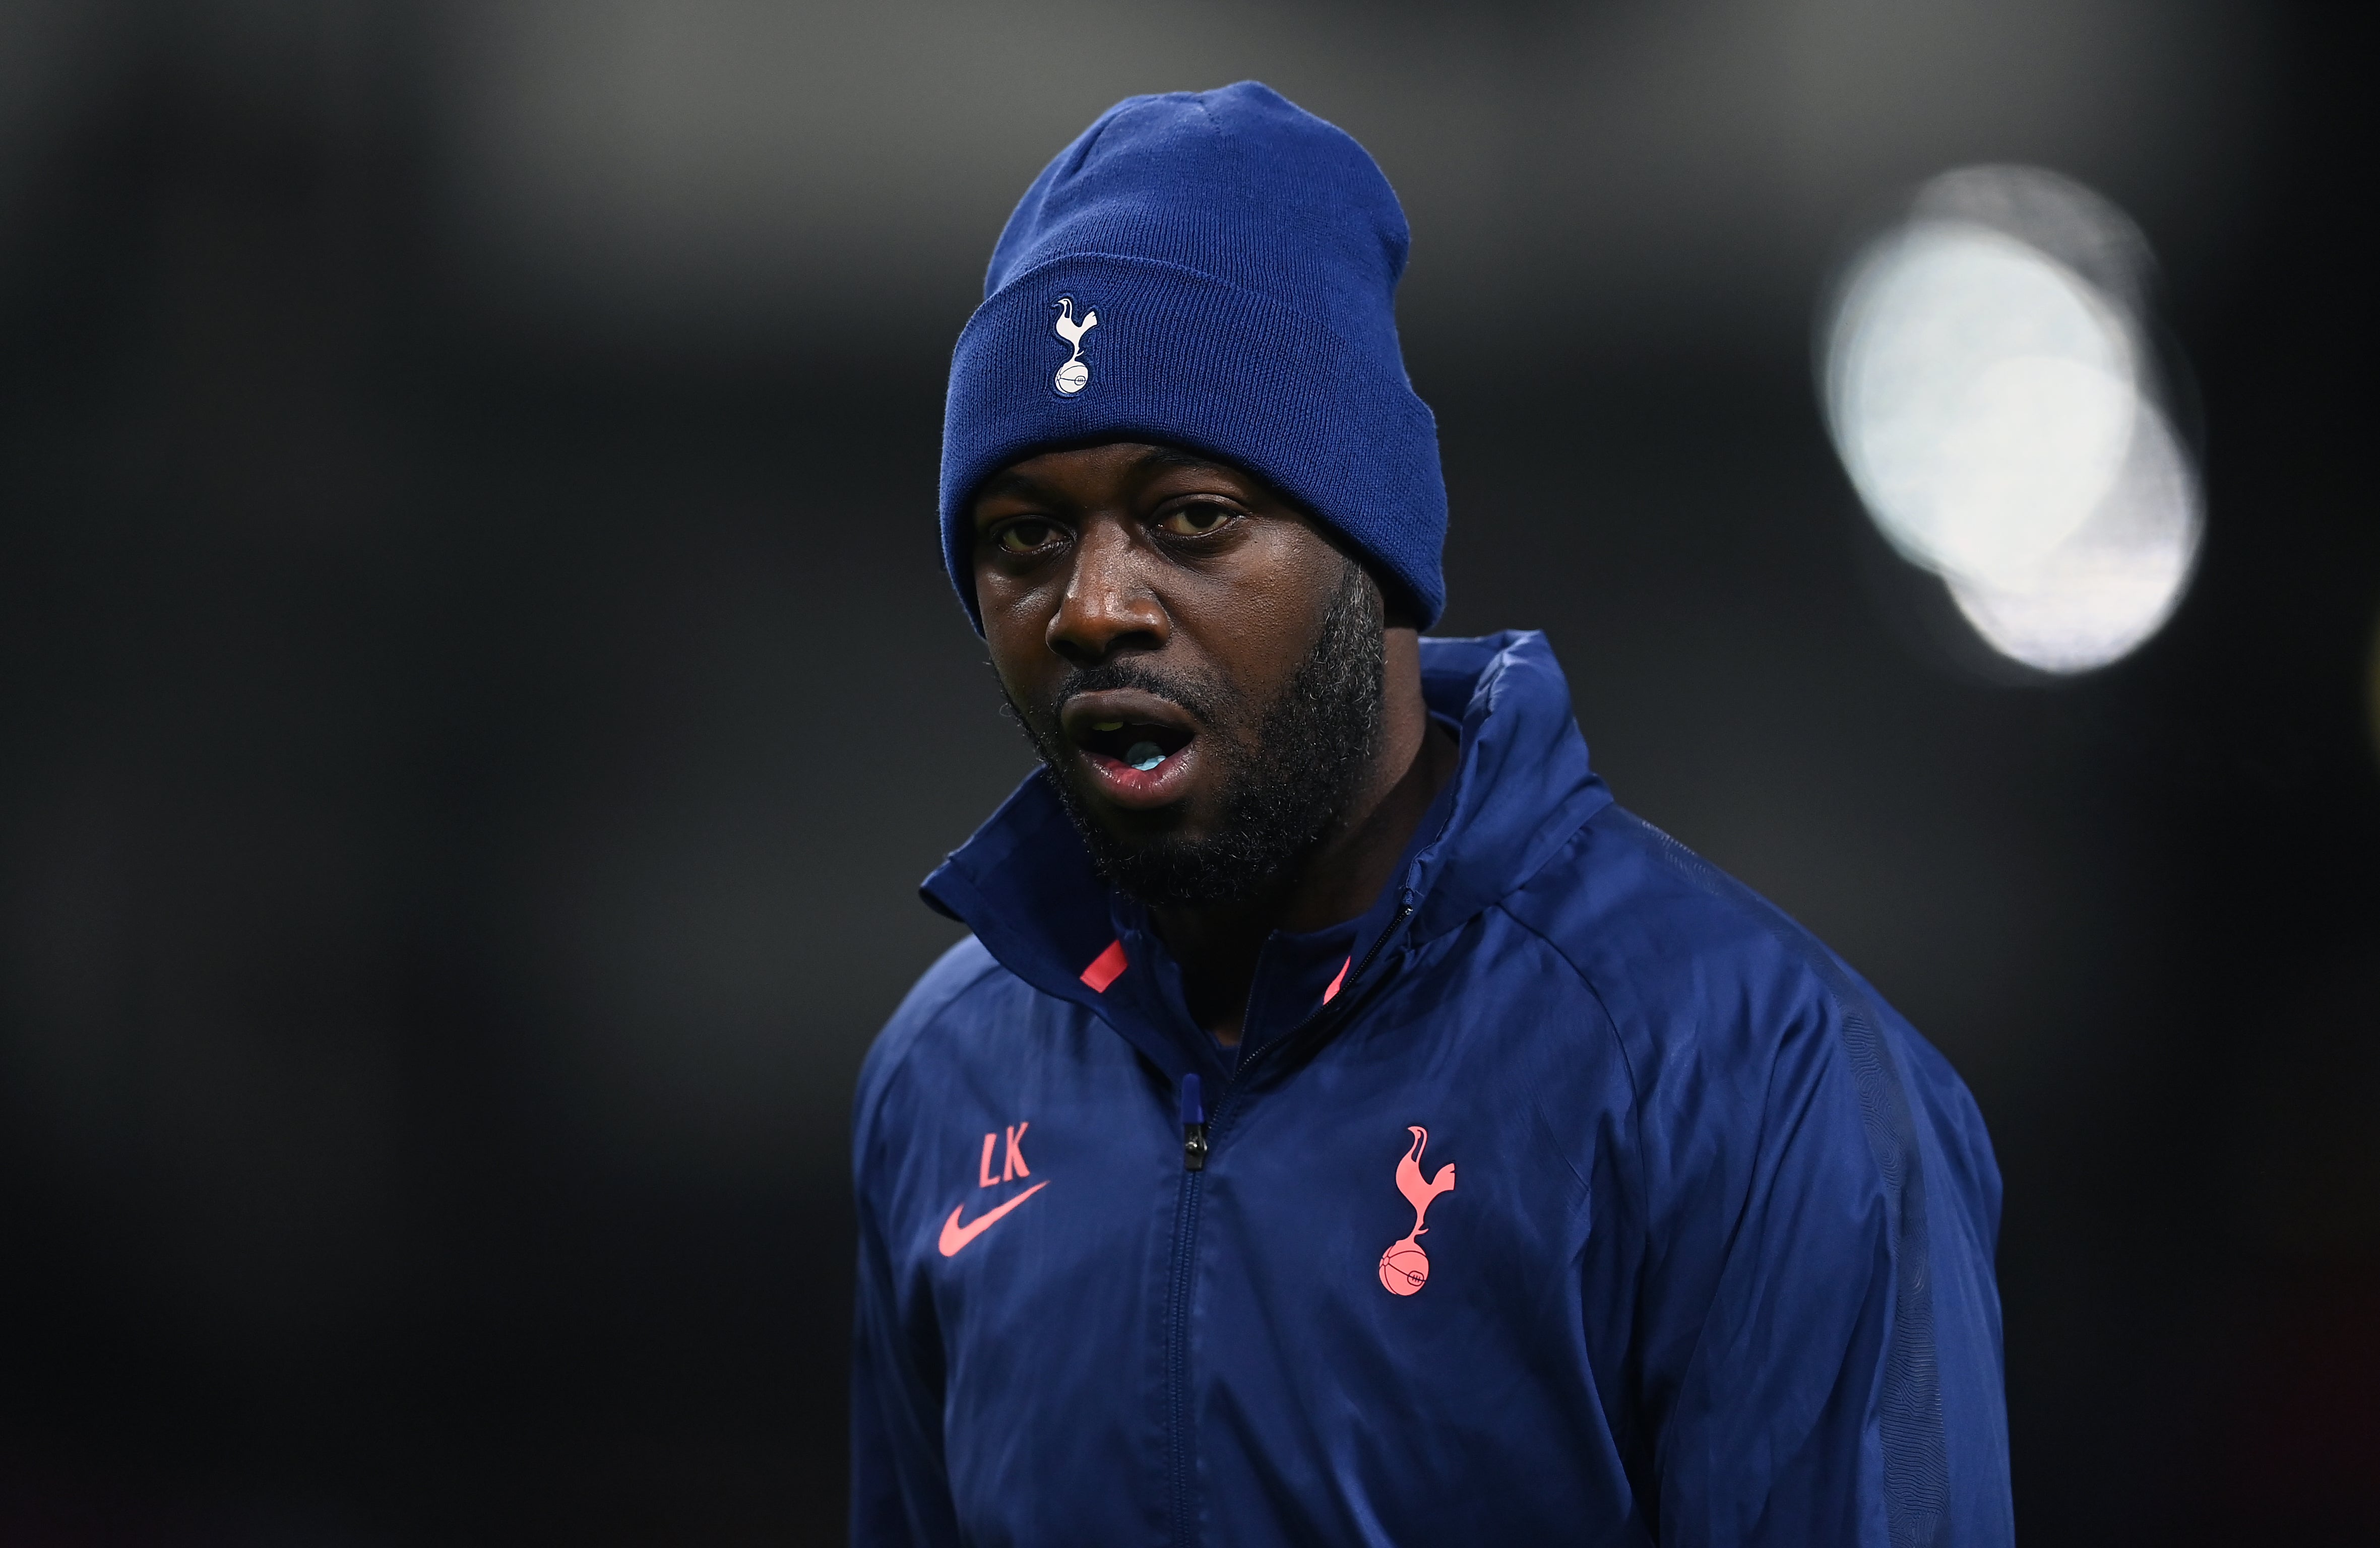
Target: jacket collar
x=1025 y=885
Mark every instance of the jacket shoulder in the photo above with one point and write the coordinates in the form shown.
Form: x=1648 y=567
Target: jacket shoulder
x=1712 y=987
x=1697 y=970
x=1651 y=925
x=940 y=994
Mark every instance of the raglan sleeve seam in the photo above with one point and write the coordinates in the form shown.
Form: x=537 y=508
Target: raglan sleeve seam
x=1620 y=1046
x=887 y=1066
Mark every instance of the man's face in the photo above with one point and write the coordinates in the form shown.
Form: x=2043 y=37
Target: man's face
x=1198 y=665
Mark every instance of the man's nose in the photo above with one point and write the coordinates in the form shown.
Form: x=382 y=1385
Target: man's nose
x=1108 y=606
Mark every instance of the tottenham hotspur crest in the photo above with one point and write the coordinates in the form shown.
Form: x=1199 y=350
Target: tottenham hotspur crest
x=1073 y=376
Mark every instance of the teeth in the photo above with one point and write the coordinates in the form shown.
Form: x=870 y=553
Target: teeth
x=1143 y=756
x=1107 y=725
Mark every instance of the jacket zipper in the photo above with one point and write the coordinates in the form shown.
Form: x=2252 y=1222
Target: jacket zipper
x=1194 y=1126
x=1177 y=1356
x=1196 y=1130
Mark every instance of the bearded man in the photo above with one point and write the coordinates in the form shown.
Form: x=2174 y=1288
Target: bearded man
x=1344 y=1124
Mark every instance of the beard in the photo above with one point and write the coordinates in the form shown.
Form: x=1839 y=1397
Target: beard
x=1291 y=767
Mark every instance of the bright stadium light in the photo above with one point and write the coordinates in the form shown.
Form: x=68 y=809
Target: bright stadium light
x=1999 y=417
x=2106 y=589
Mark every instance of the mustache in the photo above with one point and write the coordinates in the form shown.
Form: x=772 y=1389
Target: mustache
x=1202 y=701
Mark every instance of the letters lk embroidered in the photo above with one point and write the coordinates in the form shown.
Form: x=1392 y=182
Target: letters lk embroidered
x=1011 y=1168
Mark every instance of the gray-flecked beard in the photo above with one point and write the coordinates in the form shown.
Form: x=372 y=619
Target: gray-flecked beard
x=1291 y=767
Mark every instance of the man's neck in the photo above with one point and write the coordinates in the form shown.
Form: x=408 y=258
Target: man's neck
x=1218 y=947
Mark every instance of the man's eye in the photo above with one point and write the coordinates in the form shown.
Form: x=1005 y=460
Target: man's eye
x=1194 y=521
x=1024 y=537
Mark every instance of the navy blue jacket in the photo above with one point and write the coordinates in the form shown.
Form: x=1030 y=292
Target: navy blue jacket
x=1572 y=1195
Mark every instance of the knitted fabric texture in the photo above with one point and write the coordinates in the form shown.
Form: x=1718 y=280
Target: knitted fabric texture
x=1240 y=257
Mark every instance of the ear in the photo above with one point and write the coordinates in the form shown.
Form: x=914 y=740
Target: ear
x=1396 y=613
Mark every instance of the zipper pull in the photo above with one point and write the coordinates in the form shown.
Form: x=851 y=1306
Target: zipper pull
x=1193 y=1127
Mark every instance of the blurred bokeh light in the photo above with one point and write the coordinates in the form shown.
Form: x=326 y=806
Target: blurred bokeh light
x=2000 y=415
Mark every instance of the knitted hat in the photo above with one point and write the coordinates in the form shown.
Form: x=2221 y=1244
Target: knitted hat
x=1215 y=270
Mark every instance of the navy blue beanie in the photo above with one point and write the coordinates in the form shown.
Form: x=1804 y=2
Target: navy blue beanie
x=1216 y=271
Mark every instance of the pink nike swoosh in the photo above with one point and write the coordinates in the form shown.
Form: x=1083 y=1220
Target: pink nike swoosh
x=955 y=1236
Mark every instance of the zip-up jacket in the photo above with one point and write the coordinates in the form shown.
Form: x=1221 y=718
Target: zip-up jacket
x=1572 y=1194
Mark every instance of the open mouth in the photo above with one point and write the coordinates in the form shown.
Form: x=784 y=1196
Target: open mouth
x=1139 y=744
x=1137 y=748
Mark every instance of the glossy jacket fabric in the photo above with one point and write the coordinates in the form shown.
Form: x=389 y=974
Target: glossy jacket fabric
x=1572 y=1196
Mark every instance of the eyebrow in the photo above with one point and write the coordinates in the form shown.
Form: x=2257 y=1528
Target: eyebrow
x=1157 y=459
x=1008 y=481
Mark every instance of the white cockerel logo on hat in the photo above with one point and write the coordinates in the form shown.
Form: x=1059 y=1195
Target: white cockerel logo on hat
x=1073 y=376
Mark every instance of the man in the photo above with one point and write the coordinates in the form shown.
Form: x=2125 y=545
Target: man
x=1344 y=1124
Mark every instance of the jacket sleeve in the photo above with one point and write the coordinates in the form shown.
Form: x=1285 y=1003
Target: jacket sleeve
x=900 y=1487
x=900 y=1492
x=900 y=1481
x=1825 y=1369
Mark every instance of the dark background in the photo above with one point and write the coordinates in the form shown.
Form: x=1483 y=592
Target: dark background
x=476 y=690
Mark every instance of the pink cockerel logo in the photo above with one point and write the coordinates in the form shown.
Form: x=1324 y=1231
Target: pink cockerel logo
x=1404 y=1267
